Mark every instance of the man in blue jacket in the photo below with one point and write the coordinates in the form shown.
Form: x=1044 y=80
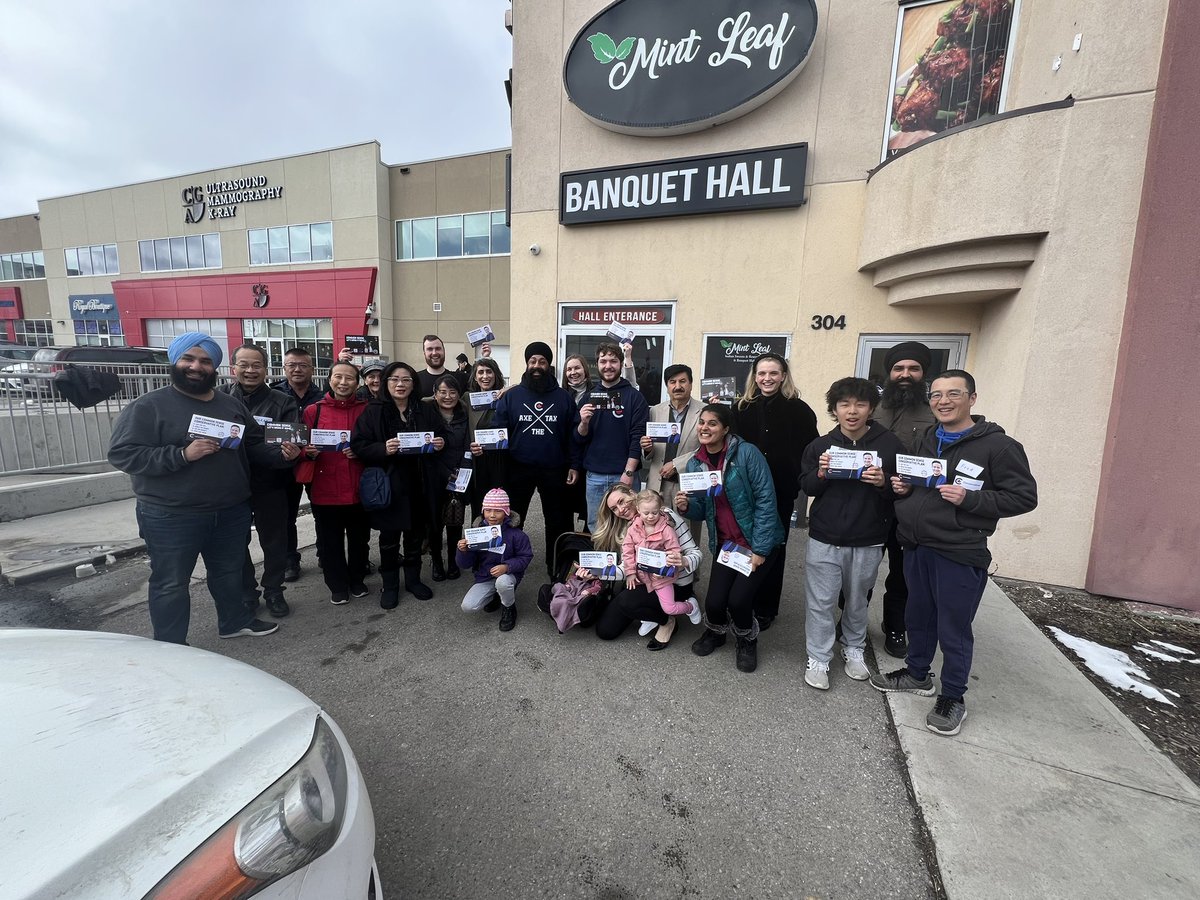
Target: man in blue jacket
x=538 y=415
x=608 y=440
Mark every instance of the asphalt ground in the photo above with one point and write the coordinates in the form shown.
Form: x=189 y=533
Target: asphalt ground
x=533 y=764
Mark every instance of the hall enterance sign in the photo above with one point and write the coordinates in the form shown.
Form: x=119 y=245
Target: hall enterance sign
x=770 y=178
x=657 y=67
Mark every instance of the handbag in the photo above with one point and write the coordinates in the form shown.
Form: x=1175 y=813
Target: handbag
x=374 y=489
x=453 y=513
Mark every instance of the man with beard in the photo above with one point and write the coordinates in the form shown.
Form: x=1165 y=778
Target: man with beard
x=435 y=368
x=538 y=413
x=268 y=486
x=905 y=412
x=193 y=499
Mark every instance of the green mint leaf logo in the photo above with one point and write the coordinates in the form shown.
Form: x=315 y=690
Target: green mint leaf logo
x=624 y=48
x=603 y=47
x=724 y=345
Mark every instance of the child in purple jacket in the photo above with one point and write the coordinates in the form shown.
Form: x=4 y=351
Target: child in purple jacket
x=498 y=570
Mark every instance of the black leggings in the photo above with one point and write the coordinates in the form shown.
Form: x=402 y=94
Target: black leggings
x=635 y=605
x=343 y=539
x=731 y=594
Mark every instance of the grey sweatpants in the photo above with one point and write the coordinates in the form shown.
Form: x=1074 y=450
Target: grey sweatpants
x=828 y=570
x=481 y=592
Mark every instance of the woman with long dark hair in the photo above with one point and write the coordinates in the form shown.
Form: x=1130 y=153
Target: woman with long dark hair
x=375 y=443
x=772 y=417
x=446 y=507
x=490 y=465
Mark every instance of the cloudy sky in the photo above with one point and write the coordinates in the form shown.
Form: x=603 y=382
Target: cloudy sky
x=103 y=94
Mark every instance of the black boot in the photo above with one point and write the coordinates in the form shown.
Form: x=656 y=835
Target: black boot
x=453 y=534
x=747 y=654
x=389 y=597
x=413 y=583
x=439 y=571
x=708 y=642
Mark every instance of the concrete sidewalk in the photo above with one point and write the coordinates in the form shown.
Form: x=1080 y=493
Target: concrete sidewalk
x=1048 y=791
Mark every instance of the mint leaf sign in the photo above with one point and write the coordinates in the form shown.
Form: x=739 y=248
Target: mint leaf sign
x=605 y=50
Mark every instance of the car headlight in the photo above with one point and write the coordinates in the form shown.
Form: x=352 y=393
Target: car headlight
x=286 y=827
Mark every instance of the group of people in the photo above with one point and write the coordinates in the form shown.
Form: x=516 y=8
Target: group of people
x=582 y=446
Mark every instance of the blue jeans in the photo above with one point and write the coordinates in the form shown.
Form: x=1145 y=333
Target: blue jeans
x=174 y=539
x=596 y=485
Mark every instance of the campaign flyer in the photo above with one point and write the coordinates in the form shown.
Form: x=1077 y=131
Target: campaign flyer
x=709 y=483
x=227 y=434
x=718 y=390
x=663 y=432
x=620 y=334
x=736 y=557
x=844 y=463
x=483 y=399
x=604 y=400
x=492 y=438
x=263 y=420
x=602 y=565
x=971 y=484
x=286 y=433
x=415 y=442
x=486 y=538
x=922 y=471
x=329 y=439
x=458 y=483
x=654 y=562
x=477 y=336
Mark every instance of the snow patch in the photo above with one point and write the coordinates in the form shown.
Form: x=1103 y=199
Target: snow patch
x=1175 y=648
x=1156 y=654
x=1114 y=666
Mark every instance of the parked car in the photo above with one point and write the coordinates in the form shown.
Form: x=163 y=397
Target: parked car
x=139 y=769
x=16 y=351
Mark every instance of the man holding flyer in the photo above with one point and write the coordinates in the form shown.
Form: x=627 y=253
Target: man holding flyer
x=681 y=410
x=944 y=534
x=193 y=498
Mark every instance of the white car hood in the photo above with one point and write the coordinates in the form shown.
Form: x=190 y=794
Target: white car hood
x=120 y=755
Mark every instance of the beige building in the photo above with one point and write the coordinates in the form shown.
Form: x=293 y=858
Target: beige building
x=1008 y=241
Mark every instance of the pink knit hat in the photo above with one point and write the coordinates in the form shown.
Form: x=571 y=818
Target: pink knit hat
x=497 y=498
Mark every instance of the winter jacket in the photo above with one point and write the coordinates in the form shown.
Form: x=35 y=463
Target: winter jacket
x=538 y=423
x=517 y=555
x=907 y=423
x=848 y=512
x=614 y=435
x=491 y=466
x=378 y=424
x=336 y=480
x=662 y=537
x=781 y=429
x=313 y=395
x=265 y=403
x=751 y=494
x=687 y=546
x=960 y=532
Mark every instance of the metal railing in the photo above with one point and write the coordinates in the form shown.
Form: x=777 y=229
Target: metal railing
x=40 y=432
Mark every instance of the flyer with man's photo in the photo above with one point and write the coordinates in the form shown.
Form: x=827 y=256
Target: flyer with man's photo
x=227 y=434
x=846 y=463
x=654 y=562
x=708 y=482
x=329 y=439
x=488 y=537
x=736 y=557
x=459 y=480
x=415 y=442
x=601 y=565
x=921 y=471
x=492 y=438
x=477 y=336
x=482 y=399
x=663 y=432
x=619 y=334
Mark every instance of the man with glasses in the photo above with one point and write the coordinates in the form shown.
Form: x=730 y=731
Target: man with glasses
x=298 y=383
x=268 y=486
x=946 y=569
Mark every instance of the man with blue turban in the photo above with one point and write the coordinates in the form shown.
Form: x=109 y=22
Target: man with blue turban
x=193 y=498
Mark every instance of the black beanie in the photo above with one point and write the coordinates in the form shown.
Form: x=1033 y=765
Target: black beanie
x=539 y=348
x=909 y=350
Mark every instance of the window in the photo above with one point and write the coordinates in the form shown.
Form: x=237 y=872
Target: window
x=98 y=333
x=98 y=259
x=23 y=266
x=195 y=251
x=34 y=332
x=448 y=237
x=160 y=332
x=291 y=244
x=949 y=351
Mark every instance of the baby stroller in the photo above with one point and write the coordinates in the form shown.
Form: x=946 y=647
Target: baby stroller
x=567 y=548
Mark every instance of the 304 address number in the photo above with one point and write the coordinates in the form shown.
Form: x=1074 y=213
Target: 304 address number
x=828 y=323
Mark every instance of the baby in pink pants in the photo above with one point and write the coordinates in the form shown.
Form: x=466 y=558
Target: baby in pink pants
x=651 y=529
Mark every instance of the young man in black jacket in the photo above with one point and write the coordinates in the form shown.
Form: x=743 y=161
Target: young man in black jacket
x=847 y=528
x=944 y=532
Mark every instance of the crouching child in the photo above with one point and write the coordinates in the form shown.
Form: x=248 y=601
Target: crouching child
x=499 y=567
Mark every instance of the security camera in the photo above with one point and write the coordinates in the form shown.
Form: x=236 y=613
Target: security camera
x=534 y=249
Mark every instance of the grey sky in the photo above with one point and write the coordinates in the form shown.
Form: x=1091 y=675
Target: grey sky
x=102 y=94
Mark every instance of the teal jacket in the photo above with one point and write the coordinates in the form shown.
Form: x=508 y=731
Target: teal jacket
x=751 y=493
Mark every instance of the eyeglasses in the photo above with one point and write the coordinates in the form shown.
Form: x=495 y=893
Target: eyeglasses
x=249 y=367
x=296 y=367
x=396 y=380
x=934 y=396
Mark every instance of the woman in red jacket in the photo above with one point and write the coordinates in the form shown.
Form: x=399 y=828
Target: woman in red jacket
x=339 y=517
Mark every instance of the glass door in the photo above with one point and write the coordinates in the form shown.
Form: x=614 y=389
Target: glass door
x=583 y=327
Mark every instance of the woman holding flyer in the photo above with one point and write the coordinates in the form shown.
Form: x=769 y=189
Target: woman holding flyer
x=343 y=534
x=490 y=465
x=772 y=417
x=742 y=515
x=376 y=441
x=446 y=506
x=640 y=604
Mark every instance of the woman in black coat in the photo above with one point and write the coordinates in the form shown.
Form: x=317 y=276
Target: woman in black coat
x=491 y=466
x=375 y=443
x=446 y=507
x=772 y=417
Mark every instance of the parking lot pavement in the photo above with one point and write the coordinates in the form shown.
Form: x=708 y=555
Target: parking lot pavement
x=533 y=764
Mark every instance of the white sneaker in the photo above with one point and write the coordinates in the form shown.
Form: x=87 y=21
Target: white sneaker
x=855 y=667
x=694 y=616
x=646 y=627
x=817 y=675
